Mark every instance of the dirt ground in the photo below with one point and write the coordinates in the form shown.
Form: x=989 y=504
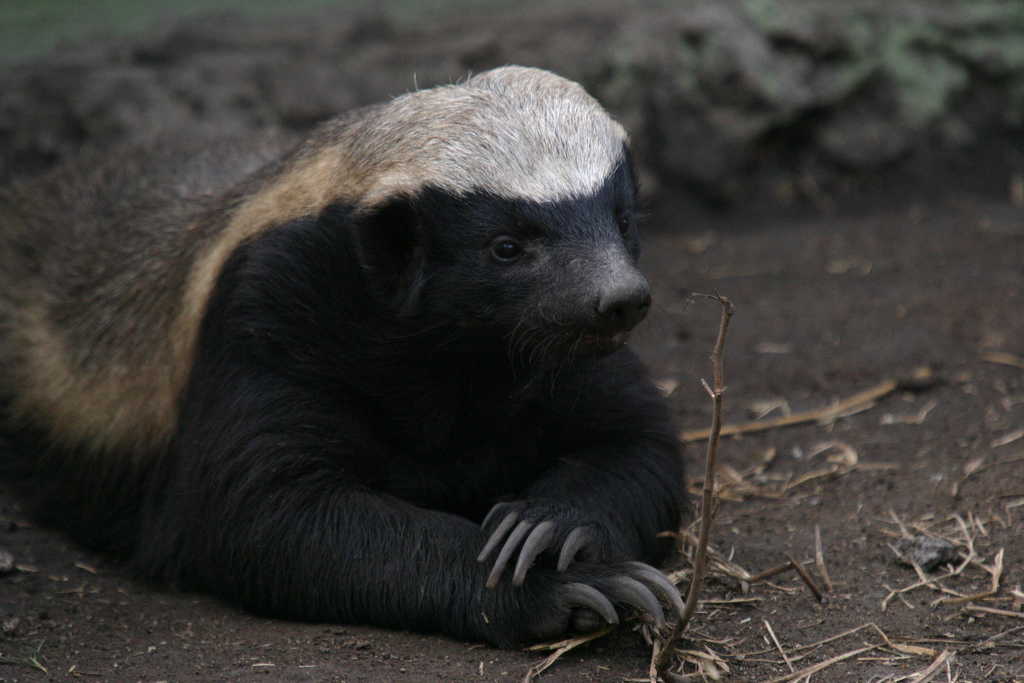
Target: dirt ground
x=828 y=305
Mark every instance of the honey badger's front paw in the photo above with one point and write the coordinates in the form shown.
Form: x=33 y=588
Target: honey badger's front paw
x=589 y=596
x=524 y=530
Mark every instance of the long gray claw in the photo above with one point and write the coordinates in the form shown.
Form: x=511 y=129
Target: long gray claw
x=498 y=507
x=582 y=595
x=506 y=551
x=636 y=594
x=655 y=579
x=536 y=543
x=498 y=535
x=577 y=538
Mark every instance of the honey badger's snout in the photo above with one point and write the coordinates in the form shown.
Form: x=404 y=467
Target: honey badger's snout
x=622 y=304
x=622 y=296
x=604 y=298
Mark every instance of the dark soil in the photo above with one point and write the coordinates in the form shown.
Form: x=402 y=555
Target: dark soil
x=827 y=306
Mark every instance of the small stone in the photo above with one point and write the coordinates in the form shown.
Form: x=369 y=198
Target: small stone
x=928 y=552
x=6 y=562
x=9 y=626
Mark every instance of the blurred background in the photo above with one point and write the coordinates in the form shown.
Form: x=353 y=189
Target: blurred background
x=31 y=28
x=745 y=103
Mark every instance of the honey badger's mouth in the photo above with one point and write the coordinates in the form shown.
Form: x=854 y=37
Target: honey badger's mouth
x=571 y=342
x=595 y=344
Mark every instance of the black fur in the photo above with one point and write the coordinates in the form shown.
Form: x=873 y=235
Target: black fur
x=369 y=385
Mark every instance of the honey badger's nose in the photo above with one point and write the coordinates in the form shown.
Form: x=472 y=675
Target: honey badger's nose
x=622 y=305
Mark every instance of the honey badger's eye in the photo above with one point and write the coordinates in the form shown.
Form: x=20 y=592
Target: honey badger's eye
x=506 y=249
x=624 y=219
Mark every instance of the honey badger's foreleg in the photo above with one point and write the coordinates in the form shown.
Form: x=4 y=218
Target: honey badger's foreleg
x=259 y=511
x=617 y=485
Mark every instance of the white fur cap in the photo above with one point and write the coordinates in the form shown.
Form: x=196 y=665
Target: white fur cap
x=517 y=132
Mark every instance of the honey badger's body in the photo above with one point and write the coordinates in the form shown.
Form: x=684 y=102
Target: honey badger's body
x=302 y=383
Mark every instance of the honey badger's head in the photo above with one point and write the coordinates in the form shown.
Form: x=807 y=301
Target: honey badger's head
x=507 y=205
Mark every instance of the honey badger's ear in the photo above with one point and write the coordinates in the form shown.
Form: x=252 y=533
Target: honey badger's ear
x=390 y=247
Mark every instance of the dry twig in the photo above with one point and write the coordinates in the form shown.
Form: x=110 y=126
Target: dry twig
x=814 y=668
x=942 y=661
x=661 y=662
x=717 y=562
x=993 y=641
x=819 y=559
x=769 y=573
x=996 y=570
x=995 y=610
x=778 y=645
x=906 y=649
x=805 y=577
x=560 y=649
x=920 y=378
x=1001 y=358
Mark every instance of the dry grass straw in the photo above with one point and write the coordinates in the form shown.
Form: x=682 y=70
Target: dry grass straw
x=819 y=559
x=1001 y=358
x=939 y=583
x=973 y=567
x=756 y=482
x=724 y=567
x=815 y=668
x=711 y=665
x=942 y=662
x=560 y=648
x=919 y=379
x=995 y=610
x=778 y=645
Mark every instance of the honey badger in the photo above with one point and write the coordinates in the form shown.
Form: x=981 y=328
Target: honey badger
x=375 y=378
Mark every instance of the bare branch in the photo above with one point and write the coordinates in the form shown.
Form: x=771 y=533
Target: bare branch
x=664 y=658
